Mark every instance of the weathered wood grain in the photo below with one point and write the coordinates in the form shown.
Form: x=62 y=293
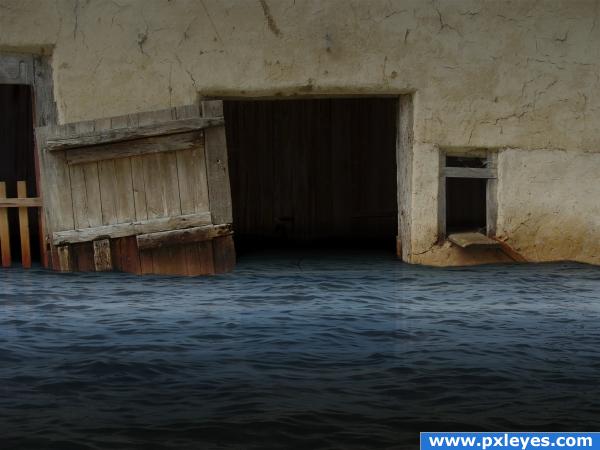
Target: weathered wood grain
x=185 y=236
x=102 y=255
x=64 y=258
x=125 y=206
x=193 y=183
x=125 y=255
x=139 y=188
x=224 y=254
x=31 y=202
x=200 y=259
x=132 y=228
x=4 y=230
x=24 y=227
x=78 y=140
x=219 y=190
x=45 y=106
x=146 y=146
x=472 y=239
x=83 y=257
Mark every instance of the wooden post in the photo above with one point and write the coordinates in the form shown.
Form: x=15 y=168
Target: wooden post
x=24 y=227
x=102 y=255
x=64 y=258
x=4 y=234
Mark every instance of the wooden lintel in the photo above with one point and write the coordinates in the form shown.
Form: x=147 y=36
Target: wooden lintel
x=145 y=146
x=31 y=202
x=102 y=256
x=185 y=236
x=131 y=228
x=111 y=136
x=469 y=172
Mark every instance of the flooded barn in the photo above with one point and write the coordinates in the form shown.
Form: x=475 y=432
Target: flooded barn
x=324 y=159
x=190 y=132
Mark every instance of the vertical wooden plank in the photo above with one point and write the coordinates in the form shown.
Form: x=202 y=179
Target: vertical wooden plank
x=102 y=255
x=153 y=186
x=4 y=231
x=24 y=227
x=78 y=191
x=130 y=258
x=200 y=259
x=224 y=254
x=170 y=260
x=193 y=184
x=139 y=188
x=125 y=206
x=146 y=262
x=170 y=183
x=124 y=253
x=56 y=187
x=45 y=106
x=108 y=191
x=64 y=258
x=218 y=175
x=83 y=257
x=92 y=192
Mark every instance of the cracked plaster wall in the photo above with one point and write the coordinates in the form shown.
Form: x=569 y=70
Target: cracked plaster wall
x=521 y=75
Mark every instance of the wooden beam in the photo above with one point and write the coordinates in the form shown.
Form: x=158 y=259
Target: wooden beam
x=186 y=236
x=24 y=227
x=32 y=202
x=4 y=231
x=469 y=172
x=102 y=256
x=131 y=228
x=110 y=136
x=145 y=146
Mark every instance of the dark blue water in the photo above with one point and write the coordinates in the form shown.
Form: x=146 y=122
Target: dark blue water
x=296 y=351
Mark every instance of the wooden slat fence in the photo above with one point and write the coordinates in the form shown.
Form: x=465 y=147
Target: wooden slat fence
x=22 y=202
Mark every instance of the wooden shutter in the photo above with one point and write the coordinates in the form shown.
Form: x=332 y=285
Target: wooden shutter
x=142 y=193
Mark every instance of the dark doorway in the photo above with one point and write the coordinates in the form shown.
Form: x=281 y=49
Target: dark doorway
x=318 y=172
x=17 y=160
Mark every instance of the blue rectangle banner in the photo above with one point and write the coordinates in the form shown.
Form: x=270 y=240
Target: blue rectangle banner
x=506 y=440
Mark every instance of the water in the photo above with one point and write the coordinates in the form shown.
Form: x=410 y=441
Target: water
x=296 y=351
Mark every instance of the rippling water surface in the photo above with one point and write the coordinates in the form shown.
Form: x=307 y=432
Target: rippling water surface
x=313 y=350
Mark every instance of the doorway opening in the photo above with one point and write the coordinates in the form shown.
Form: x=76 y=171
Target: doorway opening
x=313 y=172
x=18 y=166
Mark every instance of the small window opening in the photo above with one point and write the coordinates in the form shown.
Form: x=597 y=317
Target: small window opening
x=466 y=205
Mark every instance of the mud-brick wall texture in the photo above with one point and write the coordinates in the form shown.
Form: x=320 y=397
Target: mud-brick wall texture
x=518 y=76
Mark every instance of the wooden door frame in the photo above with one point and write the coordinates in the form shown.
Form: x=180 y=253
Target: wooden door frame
x=35 y=71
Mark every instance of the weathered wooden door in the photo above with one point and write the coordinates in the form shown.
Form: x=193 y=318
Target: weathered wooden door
x=143 y=193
